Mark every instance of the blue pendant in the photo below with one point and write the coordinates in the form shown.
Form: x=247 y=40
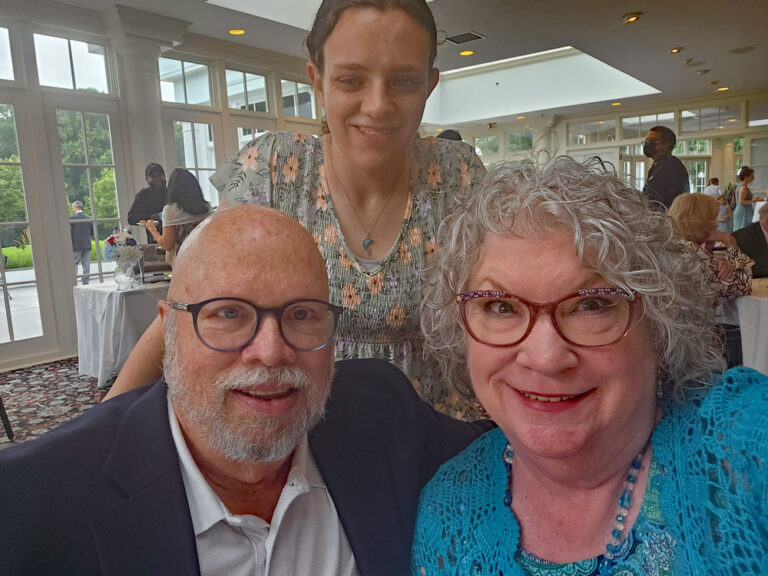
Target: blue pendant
x=367 y=244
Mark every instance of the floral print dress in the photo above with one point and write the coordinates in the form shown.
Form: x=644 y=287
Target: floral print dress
x=286 y=171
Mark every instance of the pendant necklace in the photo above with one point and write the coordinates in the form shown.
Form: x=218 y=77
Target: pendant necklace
x=612 y=554
x=367 y=240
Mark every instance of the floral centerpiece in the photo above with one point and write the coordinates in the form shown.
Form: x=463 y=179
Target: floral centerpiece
x=121 y=247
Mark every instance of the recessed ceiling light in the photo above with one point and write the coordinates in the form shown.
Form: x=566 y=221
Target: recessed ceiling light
x=520 y=117
x=715 y=82
x=675 y=50
x=466 y=53
x=236 y=31
x=731 y=119
x=615 y=103
x=703 y=71
x=439 y=130
x=632 y=17
x=723 y=89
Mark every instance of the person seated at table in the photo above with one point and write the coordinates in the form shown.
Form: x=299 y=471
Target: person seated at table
x=753 y=240
x=185 y=209
x=728 y=271
x=579 y=319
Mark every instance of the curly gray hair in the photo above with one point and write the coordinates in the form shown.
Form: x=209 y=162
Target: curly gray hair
x=616 y=234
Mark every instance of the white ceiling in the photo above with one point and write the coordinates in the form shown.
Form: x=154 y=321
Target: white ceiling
x=707 y=29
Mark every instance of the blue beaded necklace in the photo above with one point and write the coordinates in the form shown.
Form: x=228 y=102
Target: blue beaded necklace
x=608 y=560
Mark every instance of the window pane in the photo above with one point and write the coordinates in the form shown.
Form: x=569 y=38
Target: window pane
x=53 y=65
x=99 y=138
x=235 y=90
x=519 y=141
x=11 y=196
x=487 y=145
x=289 y=97
x=758 y=111
x=738 y=145
x=306 y=101
x=104 y=192
x=71 y=138
x=90 y=64
x=689 y=121
x=171 y=80
x=6 y=62
x=196 y=80
x=209 y=191
x=9 y=148
x=729 y=116
x=245 y=135
x=76 y=186
x=257 y=92
x=630 y=128
x=17 y=268
x=709 y=118
x=182 y=136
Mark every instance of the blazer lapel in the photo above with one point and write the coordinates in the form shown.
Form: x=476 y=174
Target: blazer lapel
x=359 y=476
x=150 y=532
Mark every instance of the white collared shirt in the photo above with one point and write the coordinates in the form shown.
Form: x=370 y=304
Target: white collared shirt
x=305 y=536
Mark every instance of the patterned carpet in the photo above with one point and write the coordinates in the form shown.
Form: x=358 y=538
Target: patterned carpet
x=40 y=398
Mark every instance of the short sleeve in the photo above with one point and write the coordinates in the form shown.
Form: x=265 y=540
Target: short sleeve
x=248 y=177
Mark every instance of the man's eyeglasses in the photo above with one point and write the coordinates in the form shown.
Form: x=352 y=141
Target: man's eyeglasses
x=591 y=318
x=230 y=324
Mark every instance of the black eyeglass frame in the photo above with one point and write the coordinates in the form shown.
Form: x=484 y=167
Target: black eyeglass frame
x=535 y=308
x=277 y=312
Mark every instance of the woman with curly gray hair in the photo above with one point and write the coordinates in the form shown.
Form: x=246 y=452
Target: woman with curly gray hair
x=579 y=319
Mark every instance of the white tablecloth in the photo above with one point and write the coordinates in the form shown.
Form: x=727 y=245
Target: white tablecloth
x=110 y=322
x=751 y=314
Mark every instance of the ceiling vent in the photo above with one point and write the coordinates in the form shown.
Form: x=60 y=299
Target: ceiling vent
x=464 y=37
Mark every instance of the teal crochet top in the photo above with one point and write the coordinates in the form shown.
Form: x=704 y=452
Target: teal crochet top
x=705 y=510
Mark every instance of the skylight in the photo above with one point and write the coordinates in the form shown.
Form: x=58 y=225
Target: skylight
x=506 y=88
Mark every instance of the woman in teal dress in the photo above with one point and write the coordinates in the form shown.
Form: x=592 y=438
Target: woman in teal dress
x=745 y=203
x=580 y=321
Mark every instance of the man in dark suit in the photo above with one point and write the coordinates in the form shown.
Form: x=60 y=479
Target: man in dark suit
x=81 y=230
x=233 y=468
x=667 y=178
x=753 y=241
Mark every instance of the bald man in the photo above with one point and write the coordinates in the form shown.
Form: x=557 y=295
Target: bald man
x=238 y=463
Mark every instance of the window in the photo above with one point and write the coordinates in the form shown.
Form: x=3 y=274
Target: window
x=195 y=151
x=697 y=175
x=636 y=127
x=758 y=111
x=298 y=99
x=184 y=82
x=6 y=60
x=487 y=146
x=85 y=141
x=245 y=135
x=519 y=141
x=246 y=91
x=738 y=154
x=699 y=119
x=71 y=64
x=590 y=132
x=19 y=303
x=691 y=148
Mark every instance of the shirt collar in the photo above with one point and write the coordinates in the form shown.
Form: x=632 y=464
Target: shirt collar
x=205 y=507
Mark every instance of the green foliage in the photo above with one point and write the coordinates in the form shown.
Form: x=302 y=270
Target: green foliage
x=18 y=257
x=23 y=240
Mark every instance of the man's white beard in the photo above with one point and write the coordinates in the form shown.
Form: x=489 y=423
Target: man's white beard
x=256 y=438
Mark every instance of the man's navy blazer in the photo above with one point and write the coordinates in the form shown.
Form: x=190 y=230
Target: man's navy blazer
x=103 y=494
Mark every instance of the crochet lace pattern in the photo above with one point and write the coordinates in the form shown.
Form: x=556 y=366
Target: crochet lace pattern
x=712 y=452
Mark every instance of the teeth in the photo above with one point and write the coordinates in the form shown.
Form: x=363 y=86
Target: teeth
x=547 y=398
x=373 y=132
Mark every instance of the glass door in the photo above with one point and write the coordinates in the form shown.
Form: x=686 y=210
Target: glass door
x=20 y=317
